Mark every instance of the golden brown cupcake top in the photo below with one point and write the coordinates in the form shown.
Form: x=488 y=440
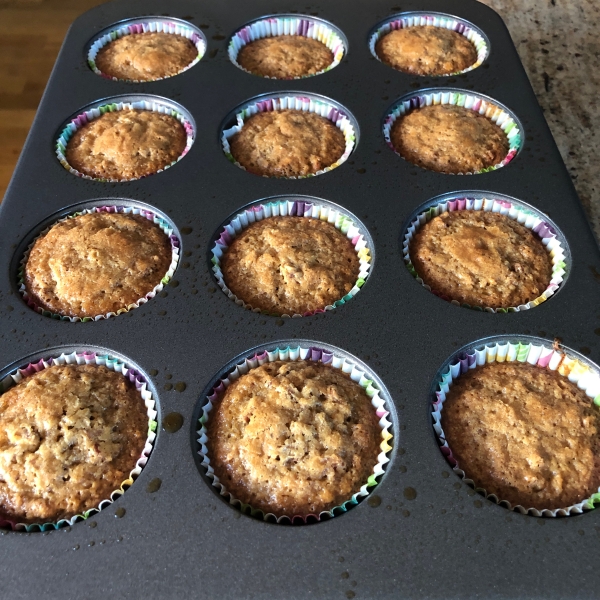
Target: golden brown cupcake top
x=96 y=263
x=449 y=139
x=146 y=56
x=426 y=50
x=481 y=258
x=293 y=438
x=290 y=265
x=285 y=56
x=126 y=144
x=526 y=434
x=287 y=143
x=69 y=436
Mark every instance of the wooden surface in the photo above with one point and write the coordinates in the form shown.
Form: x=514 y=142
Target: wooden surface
x=31 y=33
x=556 y=39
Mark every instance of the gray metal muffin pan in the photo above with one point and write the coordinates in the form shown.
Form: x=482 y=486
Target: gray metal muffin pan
x=425 y=534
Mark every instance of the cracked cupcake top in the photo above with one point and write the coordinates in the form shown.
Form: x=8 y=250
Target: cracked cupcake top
x=426 y=50
x=481 y=258
x=96 y=263
x=285 y=56
x=293 y=438
x=146 y=56
x=69 y=436
x=449 y=139
x=126 y=144
x=526 y=434
x=287 y=143
x=290 y=265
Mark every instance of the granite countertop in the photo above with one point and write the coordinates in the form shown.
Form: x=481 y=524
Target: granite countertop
x=559 y=45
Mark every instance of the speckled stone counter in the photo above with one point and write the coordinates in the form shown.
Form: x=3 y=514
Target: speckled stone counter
x=559 y=44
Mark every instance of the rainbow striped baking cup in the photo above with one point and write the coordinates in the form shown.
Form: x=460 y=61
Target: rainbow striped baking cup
x=116 y=103
x=293 y=25
x=145 y=25
x=433 y=19
x=88 y=357
x=337 y=359
x=163 y=224
x=492 y=110
x=549 y=234
x=299 y=206
x=527 y=350
x=304 y=101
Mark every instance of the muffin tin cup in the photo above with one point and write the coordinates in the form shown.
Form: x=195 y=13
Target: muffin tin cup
x=492 y=110
x=145 y=25
x=359 y=374
x=114 y=364
x=131 y=210
x=304 y=101
x=433 y=19
x=138 y=102
x=524 y=349
x=290 y=24
x=524 y=214
x=300 y=206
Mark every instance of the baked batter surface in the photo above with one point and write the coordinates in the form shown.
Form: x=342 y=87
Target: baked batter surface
x=69 y=436
x=294 y=438
x=526 y=434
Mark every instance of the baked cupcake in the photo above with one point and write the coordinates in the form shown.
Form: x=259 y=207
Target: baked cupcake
x=290 y=265
x=293 y=438
x=525 y=434
x=285 y=57
x=426 y=50
x=481 y=258
x=126 y=144
x=95 y=264
x=287 y=143
x=69 y=436
x=449 y=139
x=146 y=56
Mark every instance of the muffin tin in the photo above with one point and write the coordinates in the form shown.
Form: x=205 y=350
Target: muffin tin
x=422 y=532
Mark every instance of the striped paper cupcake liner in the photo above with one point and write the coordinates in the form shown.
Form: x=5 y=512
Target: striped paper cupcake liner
x=311 y=209
x=298 y=25
x=93 y=113
x=523 y=214
x=420 y=19
x=523 y=349
x=358 y=374
x=306 y=103
x=146 y=25
x=114 y=364
x=478 y=103
x=164 y=225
